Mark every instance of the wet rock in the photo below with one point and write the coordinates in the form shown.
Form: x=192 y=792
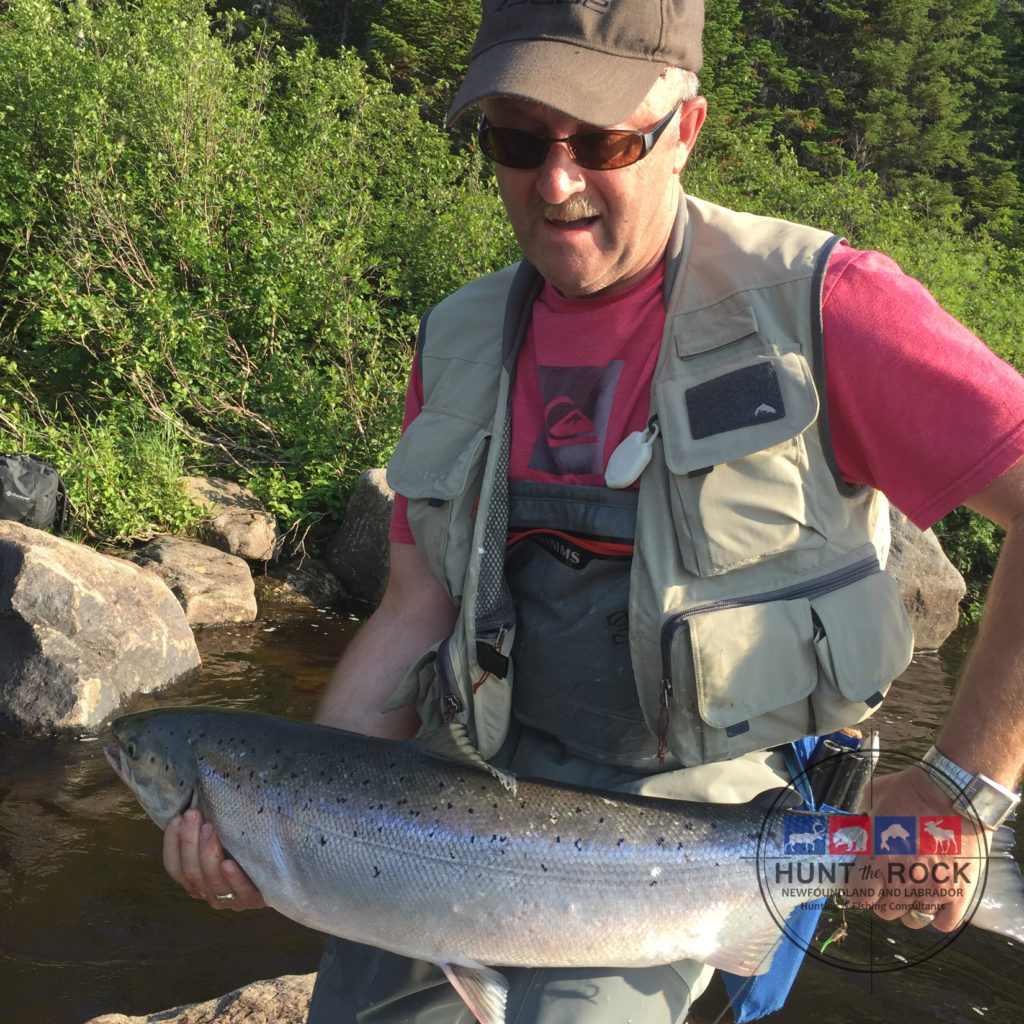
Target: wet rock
x=80 y=631
x=932 y=587
x=303 y=587
x=284 y=1000
x=239 y=523
x=212 y=586
x=358 y=553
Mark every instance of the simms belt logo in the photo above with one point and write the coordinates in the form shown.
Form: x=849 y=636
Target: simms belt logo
x=820 y=871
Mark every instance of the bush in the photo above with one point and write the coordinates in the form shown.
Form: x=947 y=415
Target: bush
x=221 y=236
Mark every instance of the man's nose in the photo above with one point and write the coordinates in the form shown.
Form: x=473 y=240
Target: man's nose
x=559 y=177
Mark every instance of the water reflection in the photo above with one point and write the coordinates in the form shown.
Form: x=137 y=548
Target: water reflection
x=90 y=924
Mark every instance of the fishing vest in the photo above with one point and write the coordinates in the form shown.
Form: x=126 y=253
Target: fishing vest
x=758 y=611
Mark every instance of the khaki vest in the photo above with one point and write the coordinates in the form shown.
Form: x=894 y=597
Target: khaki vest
x=758 y=611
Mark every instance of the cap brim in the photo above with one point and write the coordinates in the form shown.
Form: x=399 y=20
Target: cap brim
x=603 y=90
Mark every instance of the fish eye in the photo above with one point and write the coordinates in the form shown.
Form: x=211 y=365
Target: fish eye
x=131 y=750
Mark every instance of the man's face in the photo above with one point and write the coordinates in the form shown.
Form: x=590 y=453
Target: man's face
x=594 y=232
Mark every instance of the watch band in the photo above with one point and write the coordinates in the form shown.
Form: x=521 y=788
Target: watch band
x=947 y=774
x=978 y=796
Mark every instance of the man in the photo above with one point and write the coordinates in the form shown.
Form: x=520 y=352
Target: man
x=642 y=472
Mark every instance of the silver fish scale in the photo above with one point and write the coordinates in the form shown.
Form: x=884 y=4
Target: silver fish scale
x=379 y=842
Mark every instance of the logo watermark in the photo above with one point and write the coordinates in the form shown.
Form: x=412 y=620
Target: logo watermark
x=820 y=873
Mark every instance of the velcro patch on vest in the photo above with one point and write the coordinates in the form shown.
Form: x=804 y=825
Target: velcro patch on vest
x=746 y=397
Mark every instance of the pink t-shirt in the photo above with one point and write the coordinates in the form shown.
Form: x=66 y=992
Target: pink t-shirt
x=918 y=406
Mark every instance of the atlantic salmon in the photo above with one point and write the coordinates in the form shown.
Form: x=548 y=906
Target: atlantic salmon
x=384 y=843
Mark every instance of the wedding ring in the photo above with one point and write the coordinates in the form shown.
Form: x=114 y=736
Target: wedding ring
x=921 y=917
x=227 y=897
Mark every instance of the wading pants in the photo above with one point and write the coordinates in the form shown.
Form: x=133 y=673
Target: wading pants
x=362 y=985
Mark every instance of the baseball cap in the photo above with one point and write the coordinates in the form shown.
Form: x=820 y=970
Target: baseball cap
x=593 y=60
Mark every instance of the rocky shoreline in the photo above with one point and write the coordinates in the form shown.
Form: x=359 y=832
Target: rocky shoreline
x=83 y=630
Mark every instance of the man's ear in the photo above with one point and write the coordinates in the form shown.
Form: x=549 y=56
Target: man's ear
x=691 y=117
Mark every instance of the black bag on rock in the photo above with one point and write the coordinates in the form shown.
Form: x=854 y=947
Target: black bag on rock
x=32 y=492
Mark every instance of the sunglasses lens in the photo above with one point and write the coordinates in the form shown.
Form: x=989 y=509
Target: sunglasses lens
x=513 y=148
x=605 y=151
x=596 y=151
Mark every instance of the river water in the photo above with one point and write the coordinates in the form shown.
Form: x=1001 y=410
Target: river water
x=90 y=924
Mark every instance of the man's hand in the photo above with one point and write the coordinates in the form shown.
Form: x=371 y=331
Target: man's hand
x=899 y=888
x=195 y=859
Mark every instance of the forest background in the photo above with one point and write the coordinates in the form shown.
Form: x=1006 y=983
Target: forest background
x=219 y=228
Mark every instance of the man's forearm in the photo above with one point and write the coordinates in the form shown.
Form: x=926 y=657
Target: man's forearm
x=415 y=613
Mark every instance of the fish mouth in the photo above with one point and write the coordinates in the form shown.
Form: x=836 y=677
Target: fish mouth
x=116 y=759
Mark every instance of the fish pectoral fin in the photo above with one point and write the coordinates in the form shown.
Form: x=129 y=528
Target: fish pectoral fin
x=483 y=990
x=452 y=742
x=752 y=954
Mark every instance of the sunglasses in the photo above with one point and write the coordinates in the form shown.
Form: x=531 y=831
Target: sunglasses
x=599 y=150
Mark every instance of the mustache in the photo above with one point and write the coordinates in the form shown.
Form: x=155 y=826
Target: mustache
x=574 y=208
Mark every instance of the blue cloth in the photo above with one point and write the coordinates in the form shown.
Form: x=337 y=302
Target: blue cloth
x=756 y=997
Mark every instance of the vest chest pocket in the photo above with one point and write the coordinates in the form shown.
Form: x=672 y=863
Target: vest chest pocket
x=733 y=442
x=438 y=465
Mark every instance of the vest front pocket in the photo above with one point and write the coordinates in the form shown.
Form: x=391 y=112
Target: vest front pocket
x=751 y=673
x=863 y=642
x=752 y=660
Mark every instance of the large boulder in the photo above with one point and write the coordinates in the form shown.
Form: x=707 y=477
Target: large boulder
x=358 y=553
x=80 y=631
x=284 y=1000
x=239 y=523
x=931 y=585
x=212 y=586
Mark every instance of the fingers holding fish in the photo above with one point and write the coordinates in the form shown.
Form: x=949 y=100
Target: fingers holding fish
x=194 y=857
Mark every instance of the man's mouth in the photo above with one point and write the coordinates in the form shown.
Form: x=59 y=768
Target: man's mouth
x=577 y=212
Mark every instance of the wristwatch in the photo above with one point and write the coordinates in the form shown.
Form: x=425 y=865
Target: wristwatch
x=975 y=795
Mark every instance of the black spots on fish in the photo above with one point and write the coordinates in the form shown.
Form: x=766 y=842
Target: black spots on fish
x=621 y=841
x=660 y=841
x=323 y=840
x=259 y=810
x=579 y=845
x=376 y=871
x=544 y=868
x=689 y=826
x=653 y=882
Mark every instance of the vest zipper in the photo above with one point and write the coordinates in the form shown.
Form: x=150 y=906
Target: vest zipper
x=835 y=580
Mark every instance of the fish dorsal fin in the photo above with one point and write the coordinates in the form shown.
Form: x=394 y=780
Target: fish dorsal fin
x=452 y=742
x=482 y=989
